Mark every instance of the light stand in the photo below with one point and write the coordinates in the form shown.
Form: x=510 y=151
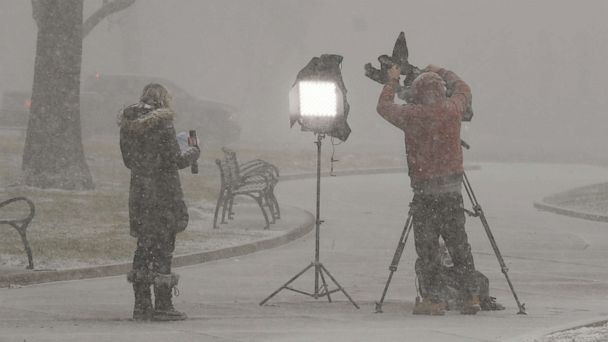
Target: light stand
x=320 y=269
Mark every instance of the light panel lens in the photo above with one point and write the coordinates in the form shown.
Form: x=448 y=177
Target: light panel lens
x=318 y=99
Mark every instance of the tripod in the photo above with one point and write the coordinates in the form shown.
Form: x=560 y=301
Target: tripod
x=319 y=290
x=477 y=212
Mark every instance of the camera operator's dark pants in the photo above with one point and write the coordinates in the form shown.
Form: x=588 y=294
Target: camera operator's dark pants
x=154 y=254
x=435 y=216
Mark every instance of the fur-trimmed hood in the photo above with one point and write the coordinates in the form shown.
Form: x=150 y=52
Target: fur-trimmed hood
x=140 y=117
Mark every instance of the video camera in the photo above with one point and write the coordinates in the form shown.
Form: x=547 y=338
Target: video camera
x=400 y=58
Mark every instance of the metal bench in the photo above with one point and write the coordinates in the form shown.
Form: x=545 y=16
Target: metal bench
x=248 y=172
x=256 y=179
x=21 y=224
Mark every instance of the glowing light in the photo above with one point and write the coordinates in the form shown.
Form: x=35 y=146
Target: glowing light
x=318 y=99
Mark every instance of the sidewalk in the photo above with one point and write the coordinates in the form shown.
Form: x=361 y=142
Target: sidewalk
x=559 y=272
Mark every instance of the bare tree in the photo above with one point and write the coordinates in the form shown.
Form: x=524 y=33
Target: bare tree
x=54 y=156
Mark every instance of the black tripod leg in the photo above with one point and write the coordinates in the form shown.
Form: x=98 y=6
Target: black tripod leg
x=287 y=283
x=503 y=266
x=396 y=258
x=479 y=212
x=339 y=286
x=325 y=287
x=379 y=304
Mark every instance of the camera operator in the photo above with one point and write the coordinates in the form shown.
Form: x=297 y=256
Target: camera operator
x=431 y=125
x=157 y=211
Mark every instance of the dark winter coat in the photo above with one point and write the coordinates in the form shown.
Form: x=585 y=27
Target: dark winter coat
x=150 y=150
x=432 y=132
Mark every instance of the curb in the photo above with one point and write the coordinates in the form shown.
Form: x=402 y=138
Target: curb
x=570 y=212
x=38 y=277
x=536 y=335
x=359 y=172
x=298 y=176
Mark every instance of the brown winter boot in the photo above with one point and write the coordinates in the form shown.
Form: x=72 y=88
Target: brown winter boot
x=471 y=305
x=429 y=307
x=163 y=305
x=142 y=310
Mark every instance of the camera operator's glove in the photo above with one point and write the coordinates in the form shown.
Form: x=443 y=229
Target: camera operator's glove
x=404 y=93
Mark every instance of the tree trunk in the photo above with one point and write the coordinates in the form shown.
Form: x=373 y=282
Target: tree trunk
x=53 y=156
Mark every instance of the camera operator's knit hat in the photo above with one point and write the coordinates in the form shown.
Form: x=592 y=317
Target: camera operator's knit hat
x=428 y=88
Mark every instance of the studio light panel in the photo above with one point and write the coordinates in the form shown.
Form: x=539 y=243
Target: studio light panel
x=318 y=98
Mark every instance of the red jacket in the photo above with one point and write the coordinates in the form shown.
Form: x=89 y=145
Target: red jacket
x=432 y=132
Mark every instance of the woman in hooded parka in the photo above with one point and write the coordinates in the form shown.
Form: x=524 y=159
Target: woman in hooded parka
x=157 y=211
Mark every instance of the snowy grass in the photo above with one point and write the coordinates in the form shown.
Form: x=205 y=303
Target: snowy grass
x=592 y=199
x=81 y=228
x=593 y=333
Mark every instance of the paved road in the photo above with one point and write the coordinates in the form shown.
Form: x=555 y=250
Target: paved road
x=557 y=264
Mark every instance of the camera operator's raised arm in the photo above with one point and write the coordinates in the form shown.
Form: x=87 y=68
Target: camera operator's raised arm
x=394 y=113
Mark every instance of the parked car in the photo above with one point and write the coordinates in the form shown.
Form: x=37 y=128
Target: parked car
x=15 y=109
x=103 y=97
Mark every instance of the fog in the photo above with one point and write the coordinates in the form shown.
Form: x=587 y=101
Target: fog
x=536 y=68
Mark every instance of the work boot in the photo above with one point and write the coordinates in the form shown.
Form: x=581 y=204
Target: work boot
x=142 y=310
x=489 y=304
x=429 y=307
x=471 y=305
